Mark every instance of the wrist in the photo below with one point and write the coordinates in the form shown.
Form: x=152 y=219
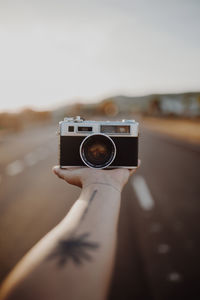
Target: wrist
x=103 y=180
x=105 y=193
x=102 y=185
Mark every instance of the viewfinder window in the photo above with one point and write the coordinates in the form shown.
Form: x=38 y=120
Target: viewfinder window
x=84 y=129
x=115 y=129
x=71 y=128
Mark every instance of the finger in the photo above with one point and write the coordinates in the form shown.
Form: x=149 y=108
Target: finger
x=61 y=172
x=135 y=169
x=131 y=171
x=69 y=175
x=139 y=163
x=56 y=170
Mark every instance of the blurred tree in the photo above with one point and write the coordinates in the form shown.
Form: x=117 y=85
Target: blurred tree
x=76 y=109
x=17 y=121
x=108 y=107
x=29 y=116
x=154 y=106
x=10 y=122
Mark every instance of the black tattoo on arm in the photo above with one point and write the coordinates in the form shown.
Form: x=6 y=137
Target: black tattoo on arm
x=87 y=208
x=76 y=247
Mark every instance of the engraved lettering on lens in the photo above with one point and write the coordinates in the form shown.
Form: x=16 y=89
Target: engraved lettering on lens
x=97 y=151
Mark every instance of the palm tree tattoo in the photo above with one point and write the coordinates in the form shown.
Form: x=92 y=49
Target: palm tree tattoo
x=77 y=247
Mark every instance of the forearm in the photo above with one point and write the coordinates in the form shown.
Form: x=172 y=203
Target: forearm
x=74 y=261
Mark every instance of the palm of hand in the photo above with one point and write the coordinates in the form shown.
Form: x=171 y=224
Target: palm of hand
x=85 y=176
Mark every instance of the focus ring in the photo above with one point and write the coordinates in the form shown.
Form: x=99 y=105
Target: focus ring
x=97 y=151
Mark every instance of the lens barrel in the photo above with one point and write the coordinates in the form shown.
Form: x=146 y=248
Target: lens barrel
x=97 y=151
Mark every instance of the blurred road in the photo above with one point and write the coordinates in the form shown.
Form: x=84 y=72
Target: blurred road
x=159 y=233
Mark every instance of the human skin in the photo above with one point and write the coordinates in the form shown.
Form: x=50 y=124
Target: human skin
x=75 y=259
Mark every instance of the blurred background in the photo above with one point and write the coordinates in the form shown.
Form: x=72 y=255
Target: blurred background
x=114 y=59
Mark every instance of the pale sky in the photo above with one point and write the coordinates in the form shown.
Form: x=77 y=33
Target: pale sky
x=59 y=51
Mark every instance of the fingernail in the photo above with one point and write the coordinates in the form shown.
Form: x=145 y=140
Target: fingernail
x=55 y=169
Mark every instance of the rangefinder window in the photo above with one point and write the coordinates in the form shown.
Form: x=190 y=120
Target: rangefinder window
x=115 y=129
x=84 y=129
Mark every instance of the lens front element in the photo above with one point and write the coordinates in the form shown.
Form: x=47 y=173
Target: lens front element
x=97 y=151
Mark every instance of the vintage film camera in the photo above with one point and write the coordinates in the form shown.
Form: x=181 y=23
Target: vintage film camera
x=98 y=144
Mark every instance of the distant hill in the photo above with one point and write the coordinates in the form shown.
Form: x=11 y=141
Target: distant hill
x=180 y=103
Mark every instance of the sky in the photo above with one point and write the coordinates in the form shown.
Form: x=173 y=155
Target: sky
x=59 y=51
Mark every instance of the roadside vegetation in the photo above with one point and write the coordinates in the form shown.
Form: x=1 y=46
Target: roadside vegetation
x=177 y=115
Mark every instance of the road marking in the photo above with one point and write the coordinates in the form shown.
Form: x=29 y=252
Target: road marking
x=143 y=193
x=30 y=159
x=163 y=248
x=174 y=277
x=14 y=168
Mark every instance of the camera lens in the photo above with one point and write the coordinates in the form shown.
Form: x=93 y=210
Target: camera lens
x=97 y=151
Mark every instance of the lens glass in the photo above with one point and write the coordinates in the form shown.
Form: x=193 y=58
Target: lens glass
x=98 y=151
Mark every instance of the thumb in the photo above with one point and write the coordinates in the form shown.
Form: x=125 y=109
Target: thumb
x=61 y=173
x=69 y=175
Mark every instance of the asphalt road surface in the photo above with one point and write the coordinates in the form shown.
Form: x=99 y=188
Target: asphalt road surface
x=158 y=253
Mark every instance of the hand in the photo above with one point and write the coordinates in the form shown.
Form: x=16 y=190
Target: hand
x=84 y=176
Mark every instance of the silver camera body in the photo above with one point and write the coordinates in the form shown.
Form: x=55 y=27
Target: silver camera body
x=98 y=144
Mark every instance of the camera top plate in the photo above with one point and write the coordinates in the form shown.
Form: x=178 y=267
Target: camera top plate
x=79 y=126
